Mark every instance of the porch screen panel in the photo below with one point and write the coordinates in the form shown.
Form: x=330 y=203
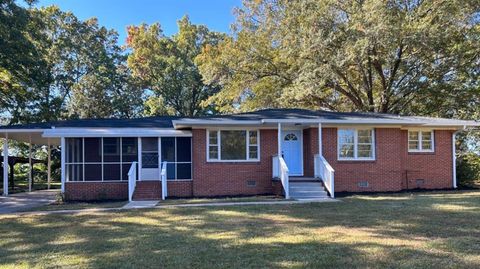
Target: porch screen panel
x=74 y=147
x=129 y=154
x=168 y=155
x=74 y=172
x=177 y=152
x=74 y=159
x=111 y=158
x=111 y=149
x=93 y=159
x=184 y=158
x=111 y=171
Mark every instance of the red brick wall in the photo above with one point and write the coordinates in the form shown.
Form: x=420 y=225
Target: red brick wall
x=435 y=169
x=93 y=191
x=179 y=188
x=393 y=163
x=393 y=169
x=230 y=178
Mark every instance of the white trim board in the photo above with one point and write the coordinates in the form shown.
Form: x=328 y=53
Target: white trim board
x=114 y=132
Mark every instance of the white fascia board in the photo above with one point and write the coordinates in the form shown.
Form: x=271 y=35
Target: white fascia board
x=23 y=130
x=189 y=123
x=401 y=122
x=459 y=124
x=113 y=132
x=292 y=120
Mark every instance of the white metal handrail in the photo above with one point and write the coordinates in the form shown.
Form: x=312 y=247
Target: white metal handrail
x=324 y=171
x=132 y=180
x=284 y=176
x=163 y=175
x=280 y=170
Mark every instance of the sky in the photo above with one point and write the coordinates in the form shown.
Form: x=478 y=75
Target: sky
x=217 y=15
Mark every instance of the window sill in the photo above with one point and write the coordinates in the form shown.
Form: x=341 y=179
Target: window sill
x=421 y=152
x=357 y=160
x=233 y=161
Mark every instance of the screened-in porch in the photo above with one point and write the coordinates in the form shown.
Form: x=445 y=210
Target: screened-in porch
x=110 y=158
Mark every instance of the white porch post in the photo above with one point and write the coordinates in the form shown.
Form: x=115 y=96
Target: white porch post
x=5 y=165
x=139 y=170
x=49 y=169
x=454 y=161
x=279 y=140
x=320 y=139
x=159 y=147
x=62 y=162
x=30 y=167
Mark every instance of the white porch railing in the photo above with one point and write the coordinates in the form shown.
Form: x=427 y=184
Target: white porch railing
x=132 y=180
x=163 y=175
x=324 y=171
x=280 y=170
x=275 y=167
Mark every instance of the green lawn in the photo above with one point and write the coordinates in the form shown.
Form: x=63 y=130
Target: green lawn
x=434 y=230
x=21 y=185
x=262 y=198
x=76 y=206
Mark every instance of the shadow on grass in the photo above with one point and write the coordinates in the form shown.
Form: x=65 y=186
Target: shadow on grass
x=417 y=231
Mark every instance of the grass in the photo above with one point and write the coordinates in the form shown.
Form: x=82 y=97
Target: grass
x=21 y=185
x=263 y=198
x=421 y=230
x=77 y=205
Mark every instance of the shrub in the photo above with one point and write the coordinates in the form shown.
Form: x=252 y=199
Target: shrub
x=468 y=169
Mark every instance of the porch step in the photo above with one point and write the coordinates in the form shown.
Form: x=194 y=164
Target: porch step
x=304 y=179
x=147 y=190
x=309 y=190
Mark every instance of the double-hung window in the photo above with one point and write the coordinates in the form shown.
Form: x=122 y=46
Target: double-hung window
x=233 y=145
x=356 y=144
x=420 y=141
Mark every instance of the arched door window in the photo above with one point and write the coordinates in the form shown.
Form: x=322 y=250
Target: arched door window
x=290 y=137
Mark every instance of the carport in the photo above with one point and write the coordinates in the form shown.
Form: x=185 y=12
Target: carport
x=33 y=135
x=13 y=160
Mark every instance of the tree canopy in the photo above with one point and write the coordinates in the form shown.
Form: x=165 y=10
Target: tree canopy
x=385 y=56
x=165 y=65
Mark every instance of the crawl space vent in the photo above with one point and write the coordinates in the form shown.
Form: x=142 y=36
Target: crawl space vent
x=363 y=184
x=251 y=183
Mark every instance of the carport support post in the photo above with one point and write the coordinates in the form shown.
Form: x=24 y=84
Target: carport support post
x=62 y=162
x=30 y=168
x=49 y=159
x=5 y=165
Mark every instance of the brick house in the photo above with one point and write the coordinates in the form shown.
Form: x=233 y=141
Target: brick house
x=292 y=152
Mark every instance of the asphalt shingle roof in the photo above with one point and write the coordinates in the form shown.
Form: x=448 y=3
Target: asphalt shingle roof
x=166 y=121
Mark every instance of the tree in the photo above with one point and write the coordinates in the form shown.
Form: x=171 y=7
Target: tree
x=373 y=55
x=21 y=64
x=87 y=68
x=165 y=66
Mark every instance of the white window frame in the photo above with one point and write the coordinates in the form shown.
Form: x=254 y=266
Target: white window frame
x=420 y=140
x=219 y=144
x=355 y=145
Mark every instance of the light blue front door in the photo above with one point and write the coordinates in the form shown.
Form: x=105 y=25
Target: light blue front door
x=292 y=151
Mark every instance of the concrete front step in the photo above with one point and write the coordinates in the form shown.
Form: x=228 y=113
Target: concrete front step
x=309 y=190
x=312 y=194
x=304 y=179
